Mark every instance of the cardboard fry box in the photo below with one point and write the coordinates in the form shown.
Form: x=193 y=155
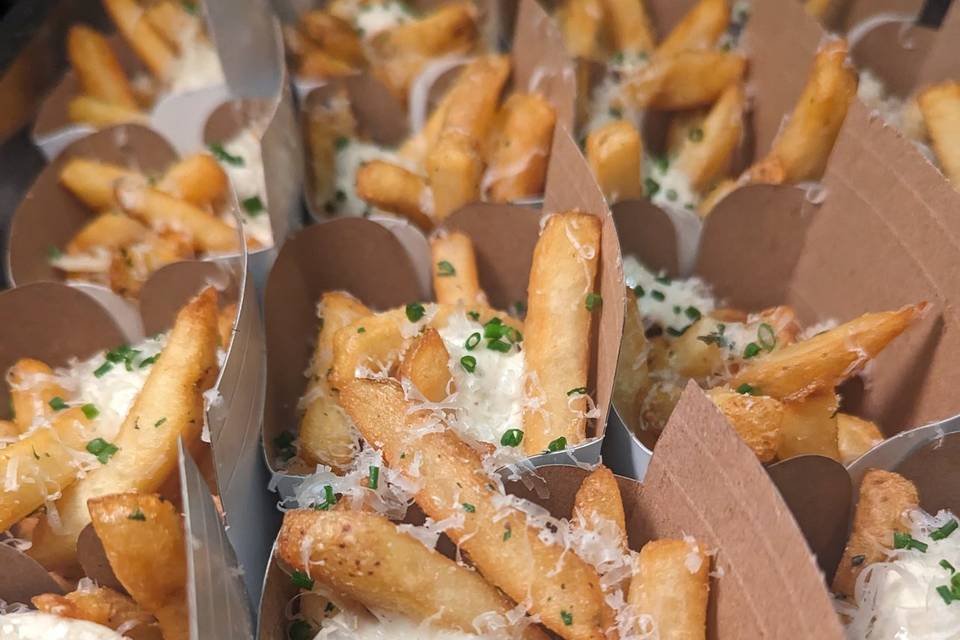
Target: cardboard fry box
x=702 y=482
x=365 y=259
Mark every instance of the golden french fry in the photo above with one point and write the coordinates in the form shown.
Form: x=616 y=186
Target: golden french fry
x=143 y=540
x=783 y=321
x=173 y=23
x=855 y=436
x=326 y=436
x=825 y=360
x=695 y=358
x=940 y=106
x=109 y=230
x=803 y=145
x=99 y=113
x=756 y=419
x=631 y=26
x=198 y=179
x=454 y=169
x=684 y=80
x=426 y=365
x=131 y=266
x=560 y=309
x=700 y=28
x=473 y=98
x=397 y=190
x=32 y=389
x=809 y=426
x=581 y=22
x=100 y=605
x=713 y=198
x=633 y=373
x=320 y=65
x=97 y=68
x=146 y=43
x=377 y=347
x=168 y=407
x=598 y=500
x=683 y=125
x=911 y=121
x=518 y=148
x=334 y=35
x=615 y=154
x=556 y=585
x=706 y=153
x=671 y=584
x=93 y=182
x=455 y=278
x=8 y=431
x=884 y=496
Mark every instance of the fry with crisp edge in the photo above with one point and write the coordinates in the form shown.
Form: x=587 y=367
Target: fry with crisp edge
x=940 y=106
x=684 y=80
x=518 y=148
x=94 y=182
x=632 y=28
x=581 y=22
x=320 y=65
x=560 y=306
x=810 y=426
x=706 y=153
x=855 y=436
x=334 y=35
x=756 y=419
x=153 y=51
x=560 y=588
x=198 y=179
x=32 y=388
x=98 y=604
x=671 y=585
x=132 y=266
x=426 y=365
x=633 y=372
x=615 y=154
x=110 y=231
x=700 y=28
x=454 y=171
x=98 y=70
x=455 y=278
x=397 y=190
x=598 y=500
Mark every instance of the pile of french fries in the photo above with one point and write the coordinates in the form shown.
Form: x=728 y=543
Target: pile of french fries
x=159 y=34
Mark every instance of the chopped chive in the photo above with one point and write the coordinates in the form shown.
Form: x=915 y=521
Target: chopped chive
x=57 y=404
x=472 y=341
x=557 y=445
x=445 y=269
x=946 y=565
x=190 y=7
x=662 y=163
x=341 y=143
x=567 y=617
x=639 y=291
x=415 y=311
x=329 y=499
x=946 y=594
x=593 y=301
x=146 y=362
x=615 y=113
x=672 y=195
x=751 y=350
x=767 y=337
x=301 y=579
x=137 y=515
x=856 y=561
x=693 y=313
x=695 y=134
x=223 y=155
x=577 y=391
x=677 y=309
x=507 y=534
x=663 y=280
x=747 y=389
x=253 y=205
x=90 y=410
x=676 y=333
x=474 y=315
x=469 y=508
x=511 y=438
x=102 y=449
x=301 y=630
x=907 y=541
x=493 y=329
x=103 y=369
x=498 y=345
x=469 y=363
x=945 y=530
x=651 y=186
x=374 y=480
x=658 y=295
x=160 y=421
x=54 y=253
x=361 y=329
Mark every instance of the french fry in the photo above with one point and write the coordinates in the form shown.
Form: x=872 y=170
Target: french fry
x=884 y=496
x=855 y=436
x=695 y=358
x=631 y=26
x=100 y=605
x=8 y=431
x=98 y=70
x=426 y=365
x=320 y=65
x=326 y=437
x=153 y=51
x=32 y=388
x=615 y=154
x=109 y=230
x=684 y=80
x=397 y=190
x=168 y=407
x=671 y=584
x=633 y=373
x=143 y=540
x=700 y=28
x=377 y=347
x=825 y=360
x=598 y=500
x=581 y=22
x=756 y=419
x=810 y=426
x=454 y=170
x=713 y=198
x=557 y=344
x=93 y=182
x=940 y=106
x=131 y=266
x=99 y=113
x=173 y=23
x=706 y=153
x=518 y=148
x=455 y=278
x=159 y=210
x=474 y=97
x=683 y=126
x=802 y=147
x=198 y=179
x=557 y=585
x=783 y=320
x=334 y=35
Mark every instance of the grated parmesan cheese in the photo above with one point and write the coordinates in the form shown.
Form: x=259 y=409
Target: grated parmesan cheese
x=249 y=182
x=678 y=294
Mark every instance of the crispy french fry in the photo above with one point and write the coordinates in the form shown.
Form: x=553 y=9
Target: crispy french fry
x=557 y=345
x=671 y=584
x=633 y=373
x=756 y=419
x=455 y=278
x=825 y=360
x=100 y=605
x=173 y=23
x=168 y=407
x=706 y=153
x=615 y=154
x=518 y=148
x=557 y=585
x=692 y=357
x=334 y=35
x=713 y=198
x=109 y=230
x=783 y=321
x=598 y=500
x=581 y=22
x=426 y=365
x=132 y=265
x=683 y=126
x=198 y=179
x=377 y=347
x=884 y=496
x=99 y=113
x=152 y=50
x=656 y=404
x=802 y=147
x=473 y=98
x=855 y=436
x=700 y=28
x=97 y=68
x=32 y=388
x=326 y=436
x=143 y=539
x=684 y=80
x=810 y=426
x=397 y=190
x=454 y=170
x=940 y=106
x=320 y=65
x=8 y=431
x=208 y=232
x=632 y=28
x=93 y=182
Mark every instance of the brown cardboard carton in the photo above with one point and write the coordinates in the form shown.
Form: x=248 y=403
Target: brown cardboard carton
x=702 y=482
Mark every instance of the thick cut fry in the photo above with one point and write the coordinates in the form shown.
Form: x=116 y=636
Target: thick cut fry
x=143 y=539
x=334 y=35
x=884 y=496
x=581 y=22
x=615 y=154
x=152 y=50
x=455 y=278
x=100 y=605
x=558 y=586
x=133 y=265
x=320 y=65
x=198 y=179
x=377 y=347
x=397 y=190
x=93 y=182
x=168 y=407
x=173 y=23
x=209 y=233
x=365 y=557
x=706 y=153
x=940 y=106
x=756 y=419
x=810 y=426
x=474 y=97
x=684 y=80
x=560 y=307
x=32 y=388
x=802 y=147
x=108 y=231
x=855 y=436
x=671 y=584
x=684 y=125
x=825 y=360
x=692 y=357
x=98 y=113
x=518 y=148
x=98 y=70
x=454 y=169
x=8 y=431
x=633 y=373
x=326 y=436
x=42 y=464
x=700 y=28
x=426 y=365
x=598 y=500
x=632 y=29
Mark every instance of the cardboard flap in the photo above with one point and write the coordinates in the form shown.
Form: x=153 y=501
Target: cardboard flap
x=282 y=150
x=646 y=231
x=933 y=468
x=540 y=61
x=856 y=12
x=894 y=52
x=23 y=577
x=278 y=592
x=942 y=62
x=378 y=112
x=172 y=286
x=93 y=560
x=249 y=44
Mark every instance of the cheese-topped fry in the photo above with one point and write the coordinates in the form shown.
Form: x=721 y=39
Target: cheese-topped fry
x=581 y=22
x=454 y=170
x=700 y=28
x=756 y=419
x=705 y=154
x=131 y=266
x=615 y=154
x=855 y=436
x=884 y=497
x=93 y=182
x=684 y=80
x=426 y=365
x=633 y=372
x=670 y=588
x=810 y=426
x=198 y=179
x=98 y=70
x=334 y=35
x=376 y=347
x=397 y=190
x=632 y=29
x=33 y=392
x=109 y=230
x=940 y=106
x=172 y=22
x=474 y=97
x=152 y=50
x=598 y=500
x=455 y=278
x=518 y=148
x=560 y=307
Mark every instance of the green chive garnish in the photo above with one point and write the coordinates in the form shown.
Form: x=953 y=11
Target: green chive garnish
x=90 y=410
x=751 y=350
x=469 y=363
x=57 y=404
x=567 y=617
x=225 y=156
x=747 y=389
x=415 y=311
x=945 y=530
x=374 y=481
x=658 y=295
x=907 y=541
x=577 y=391
x=445 y=269
x=302 y=580
x=767 y=337
x=557 y=445
x=102 y=449
x=253 y=205
x=593 y=301
x=103 y=369
x=499 y=345
x=469 y=508
x=472 y=341
x=511 y=438
x=137 y=515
